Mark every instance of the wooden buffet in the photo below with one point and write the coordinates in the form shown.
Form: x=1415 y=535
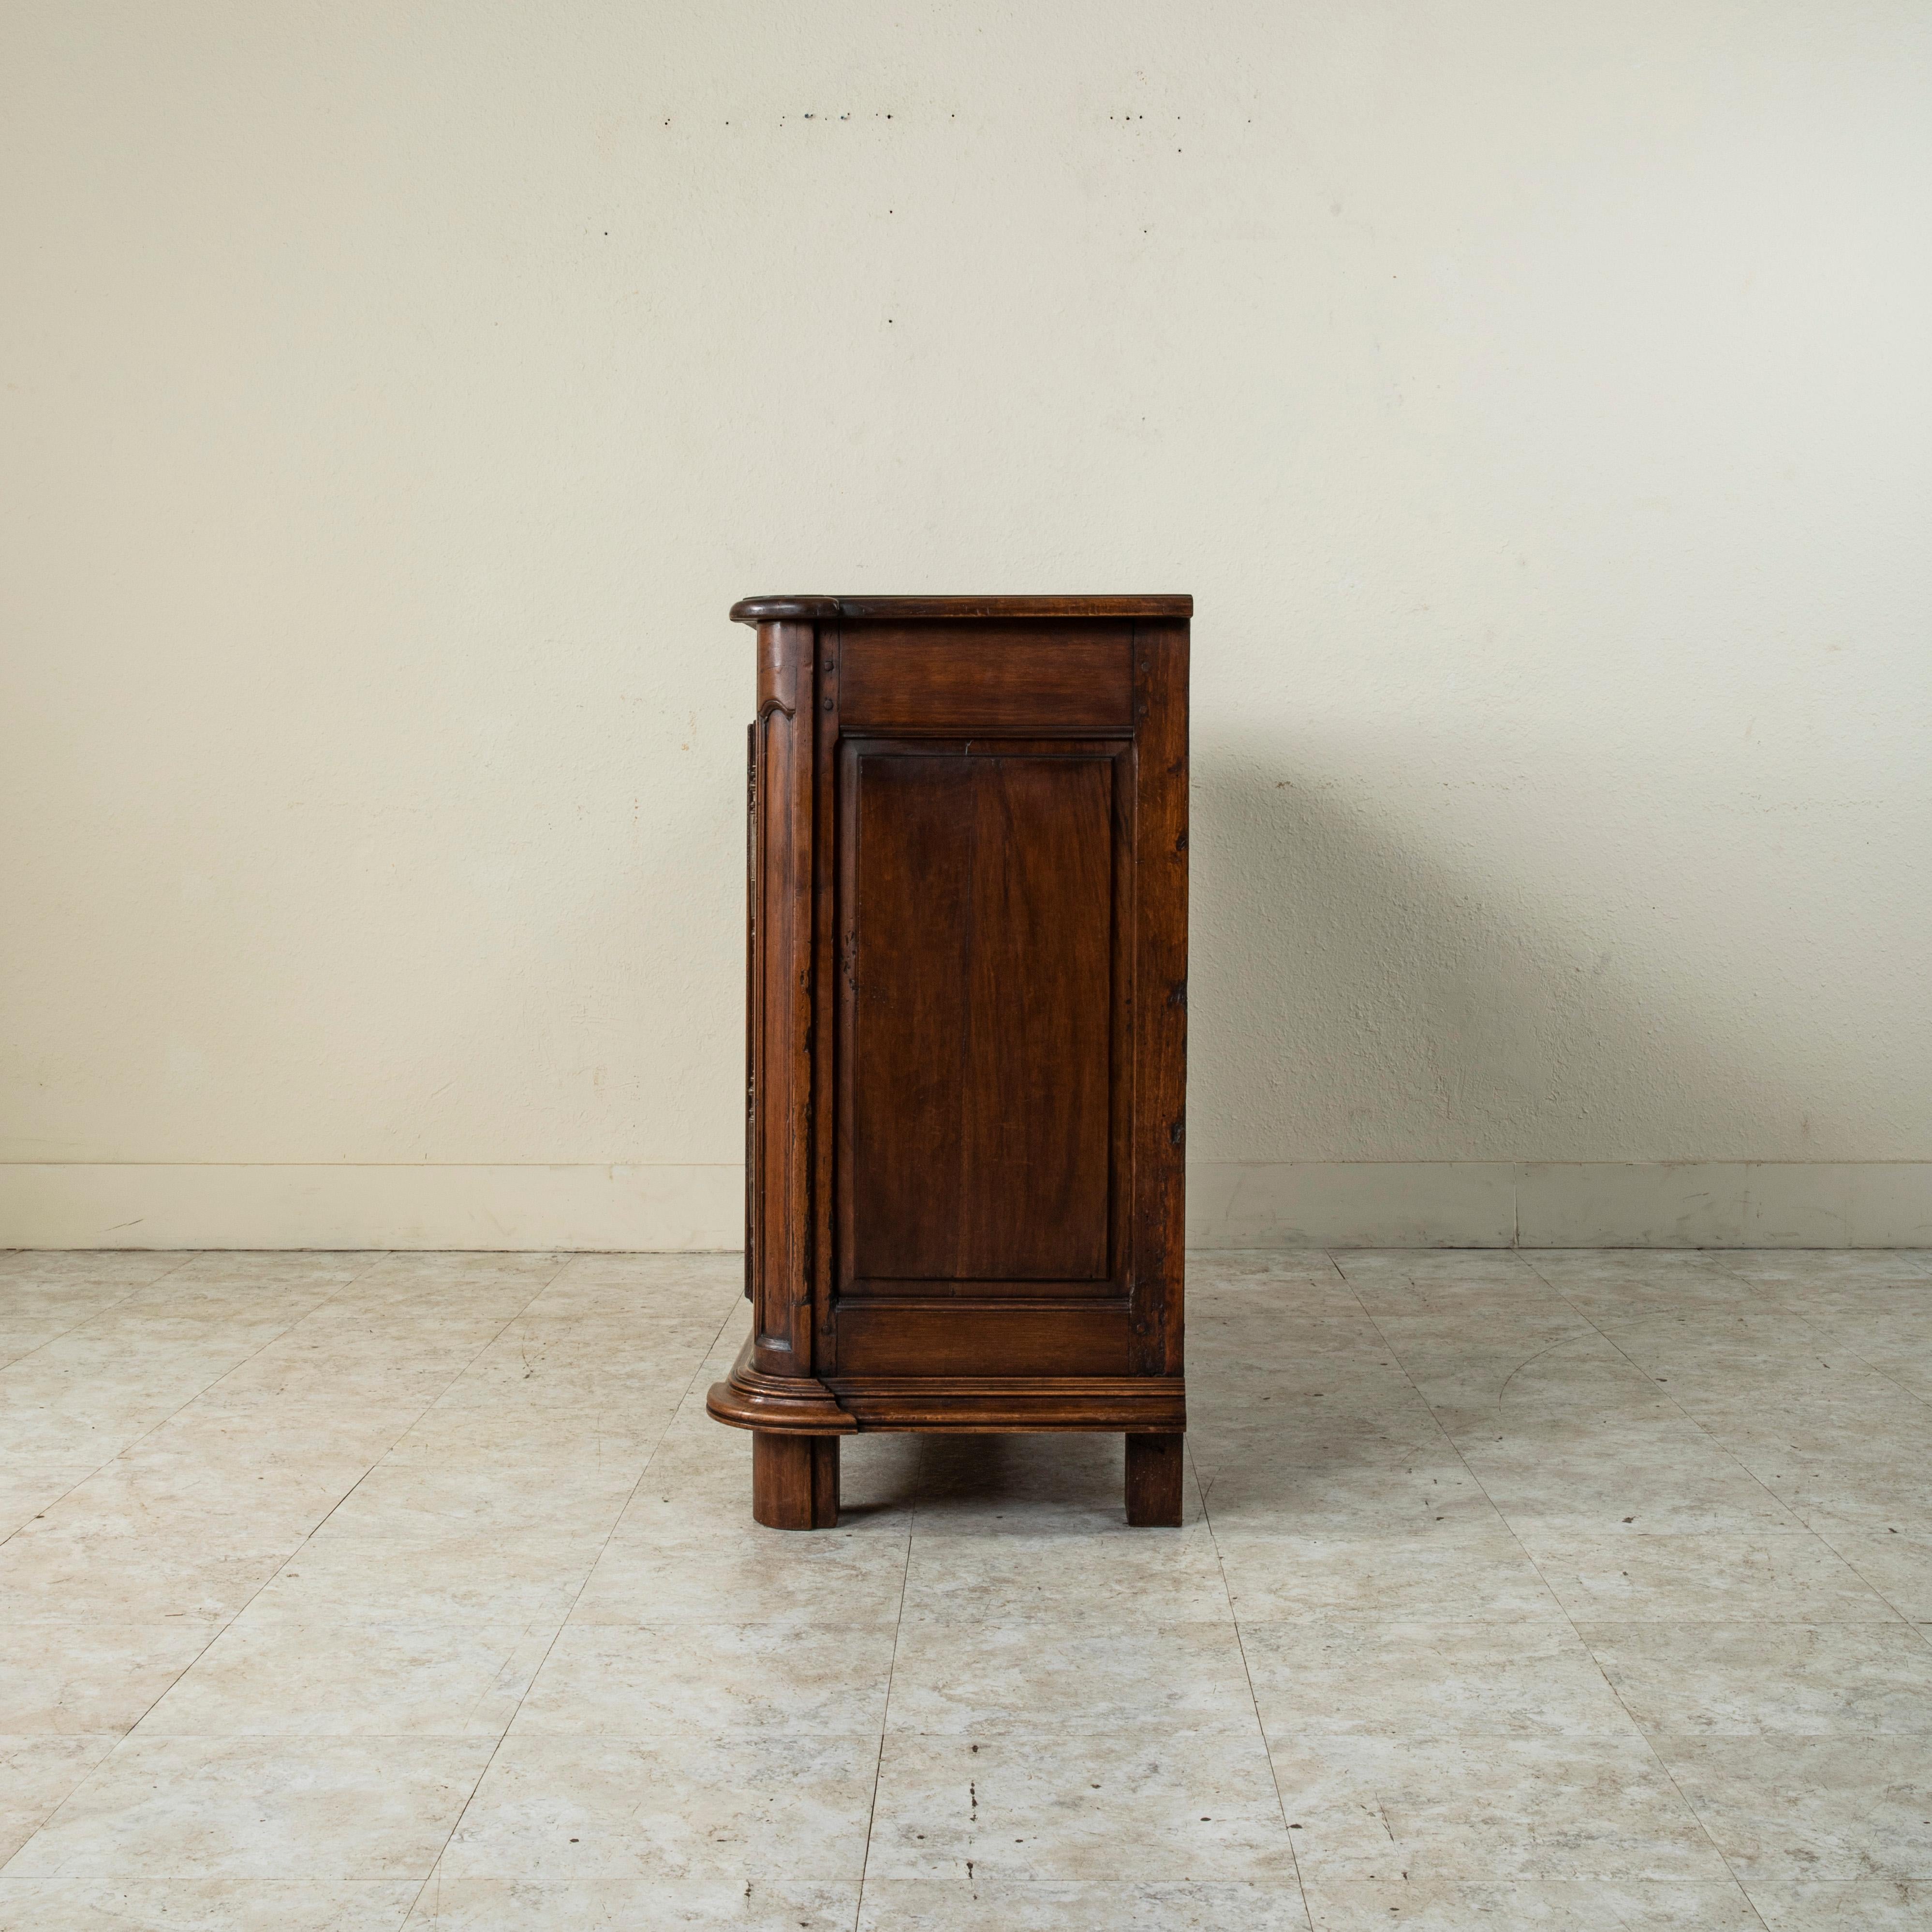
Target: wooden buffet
x=966 y=1026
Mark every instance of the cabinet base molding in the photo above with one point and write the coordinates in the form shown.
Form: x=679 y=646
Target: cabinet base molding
x=1017 y=1405
x=748 y=1398
x=1146 y=1406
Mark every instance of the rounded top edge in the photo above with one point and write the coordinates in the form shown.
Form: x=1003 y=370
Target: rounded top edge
x=780 y=610
x=806 y=608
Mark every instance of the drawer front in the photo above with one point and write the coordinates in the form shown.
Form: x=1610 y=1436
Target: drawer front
x=961 y=680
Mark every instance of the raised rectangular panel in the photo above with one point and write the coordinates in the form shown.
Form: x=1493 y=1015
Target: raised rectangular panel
x=978 y=912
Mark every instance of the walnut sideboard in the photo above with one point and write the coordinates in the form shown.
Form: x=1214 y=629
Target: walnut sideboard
x=966 y=1032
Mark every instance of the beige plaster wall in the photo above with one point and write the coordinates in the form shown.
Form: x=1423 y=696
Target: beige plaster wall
x=1535 y=398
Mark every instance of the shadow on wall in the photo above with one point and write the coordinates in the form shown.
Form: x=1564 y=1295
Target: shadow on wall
x=1355 y=997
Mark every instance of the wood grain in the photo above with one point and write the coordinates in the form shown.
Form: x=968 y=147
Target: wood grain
x=979 y=1058
x=1002 y=1336
x=967 y=1031
x=1155 y=1470
x=795 y=1481
x=809 y=608
x=964 y=678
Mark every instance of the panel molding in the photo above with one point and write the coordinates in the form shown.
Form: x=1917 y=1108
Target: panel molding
x=1018 y=1405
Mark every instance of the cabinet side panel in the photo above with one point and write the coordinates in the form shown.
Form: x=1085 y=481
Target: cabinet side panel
x=1160 y=1000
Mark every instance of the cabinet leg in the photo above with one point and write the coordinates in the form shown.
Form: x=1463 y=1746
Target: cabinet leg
x=1153 y=1481
x=795 y=1481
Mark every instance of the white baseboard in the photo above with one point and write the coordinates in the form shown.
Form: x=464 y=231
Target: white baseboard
x=1694 y=1204
x=1231 y=1205
x=599 y=1208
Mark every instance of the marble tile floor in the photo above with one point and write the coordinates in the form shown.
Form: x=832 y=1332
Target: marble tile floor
x=1545 y=1590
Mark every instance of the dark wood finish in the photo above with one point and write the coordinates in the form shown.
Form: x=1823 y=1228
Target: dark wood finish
x=956 y=677
x=795 y=1481
x=1016 y=1406
x=1153 y=1481
x=750 y=1002
x=812 y=610
x=755 y=1398
x=991 y=1335
x=943 y=893
x=1160 y=985
x=966 y=1013
x=979 y=1116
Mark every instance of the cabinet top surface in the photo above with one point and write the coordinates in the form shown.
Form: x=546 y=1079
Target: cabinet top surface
x=806 y=609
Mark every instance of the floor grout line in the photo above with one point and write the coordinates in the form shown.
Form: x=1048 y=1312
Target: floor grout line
x=482 y=1349
x=1650 y=1743
x=1502 y=1517
x=1758 y=1294
x=1717 y=1442
x=1653 y=1399
x=1708 y=1434
x=106 y=1308
x=175 y=1415
x=120 y=1301
x=433 y=1875
x=228 y=1623
x=1254 y=1699
x=1924 y=1636
x=892 y=1671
